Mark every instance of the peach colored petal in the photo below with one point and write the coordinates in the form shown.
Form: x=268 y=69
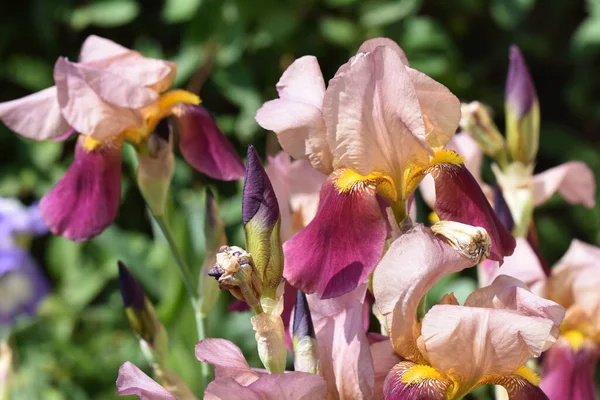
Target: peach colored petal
x=373 y=117
x=97 y=114
x=464 y=145
x=372 y=44
x=36 y=116
x=411 y=266
x=305 y=186
x=469 y=343
x=384 y=359
x=345 y=360
x=227 y=359
x=96 y=48
x=573 y=180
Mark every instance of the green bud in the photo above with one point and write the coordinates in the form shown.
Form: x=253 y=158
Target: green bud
x=270 y=339
x=306 y=356
x=477 y=122
x=517 y=190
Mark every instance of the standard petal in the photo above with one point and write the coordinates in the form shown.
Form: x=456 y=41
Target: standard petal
x=305 y=185
x=292 y=385
x=468 y=148
x=411 y=266
x=491 y=342
x=86 y=199
x=302 y=81
x=204 y=146
x=573 y=180
x=227 y=358
x=133 y=381
x=96 y=48
x=373 y=117
x=36 y=116
x=372 y=44
x=345 y=360
x=341 y=246
x=569 y=374
x=459 y=198
x=97 y=103
x=278 y=172
x=440 y=108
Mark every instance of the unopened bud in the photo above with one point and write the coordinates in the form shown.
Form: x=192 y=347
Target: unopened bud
x=155 y=169
x=477 y=122
x=306 y=357
x=270 y=339
x=522 y=111
x=142 y=316
x=472 y=242
x=517 y=191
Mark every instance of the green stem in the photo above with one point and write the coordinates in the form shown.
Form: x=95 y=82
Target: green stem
x=189 y=283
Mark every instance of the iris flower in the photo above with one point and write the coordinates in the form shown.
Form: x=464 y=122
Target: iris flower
x=455 y=348
x=110 y=96
x=233 y=378
x=376 y=130
x=22 y=284
x=569 y=366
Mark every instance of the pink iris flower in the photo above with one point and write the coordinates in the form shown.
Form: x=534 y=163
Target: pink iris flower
x=110 y=96
x=376 y=130
x=233 y=378
x=568 y=368
x=455 y=348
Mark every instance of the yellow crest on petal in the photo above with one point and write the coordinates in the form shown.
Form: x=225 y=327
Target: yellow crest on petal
x=349 y=180
x=415 y=173
x=418 y=373
x=91 y=144
x=529 y=375
x=575 y=339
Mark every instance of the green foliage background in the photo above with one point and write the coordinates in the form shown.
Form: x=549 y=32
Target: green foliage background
x=233 y=52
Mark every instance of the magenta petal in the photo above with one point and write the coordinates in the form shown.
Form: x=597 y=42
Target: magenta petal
x=86 y=199
x=459 y=198
x=204 y=146
x=569 y=374
x=340 y=247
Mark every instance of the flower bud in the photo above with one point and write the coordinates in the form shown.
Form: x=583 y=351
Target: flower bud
x=477 y=122
x=270 y=339
x=472 y=242
x=155 y=168
x=262 y=221
x=517 y=191
x=214 y=236
x=522 y=111
x=306 y=357
x=142 y=316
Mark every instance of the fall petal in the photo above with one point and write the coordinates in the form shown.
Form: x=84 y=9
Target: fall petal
x=368 y=129
x=427 y=388
x=227 y=359
x=384 y=359
x=204 y=146
x=86 y=199
x=36 y=116
x=97 y=103
x=340 y=247
x=518 y=387
x=573 y=180
x=133 y=381
x=459 y=198
x=412 y=265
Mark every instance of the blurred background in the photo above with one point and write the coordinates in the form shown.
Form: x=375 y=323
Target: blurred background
x=233 y=52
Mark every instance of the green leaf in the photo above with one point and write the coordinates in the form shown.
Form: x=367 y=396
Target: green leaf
x=586 y=37
x=338 y=30
x=32 y=73
x=177 y=11
x=509 y=13
x=104 y=14
x=389 y=12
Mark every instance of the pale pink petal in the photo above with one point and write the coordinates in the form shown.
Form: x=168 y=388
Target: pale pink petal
x=36 y=116
x=427 y=189
x=573 y=180
x=384 y=359
x=372 y=44
x=490 y=341
x=412 y=265
x=344 y=356
x=464 y=145
x=204 y=146
x=373 y=117
x=523 y=264
x=86 y=199
x=128 y=64
x=341 y=246
x=302 y=81
x=305 y=186
x=278 y=171
x=227 y=358
x=229 y=389
x=440 y=108
x=292 y=386
x=87 y=111
x=133 y=381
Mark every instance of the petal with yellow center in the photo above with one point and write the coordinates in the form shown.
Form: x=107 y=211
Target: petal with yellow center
x=410 y=381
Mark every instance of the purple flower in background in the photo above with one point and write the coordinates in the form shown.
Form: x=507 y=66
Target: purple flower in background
x=22 y=284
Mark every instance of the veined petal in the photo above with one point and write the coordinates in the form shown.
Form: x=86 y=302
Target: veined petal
x=368 y=128
x=96 y=48
x=569 y=373
x=411 y=266
x=86 y=199
x=302 y=81
x=573 y=180
x=227 y=359
x=371 y=44
x=344 y=356
x=97 y=103
x=204 y=146
x=340 y=247
x=36 y=116
x=133 y=381
x=519 y=387
x=491 y=342
x=459 y=198
x=410 y=381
